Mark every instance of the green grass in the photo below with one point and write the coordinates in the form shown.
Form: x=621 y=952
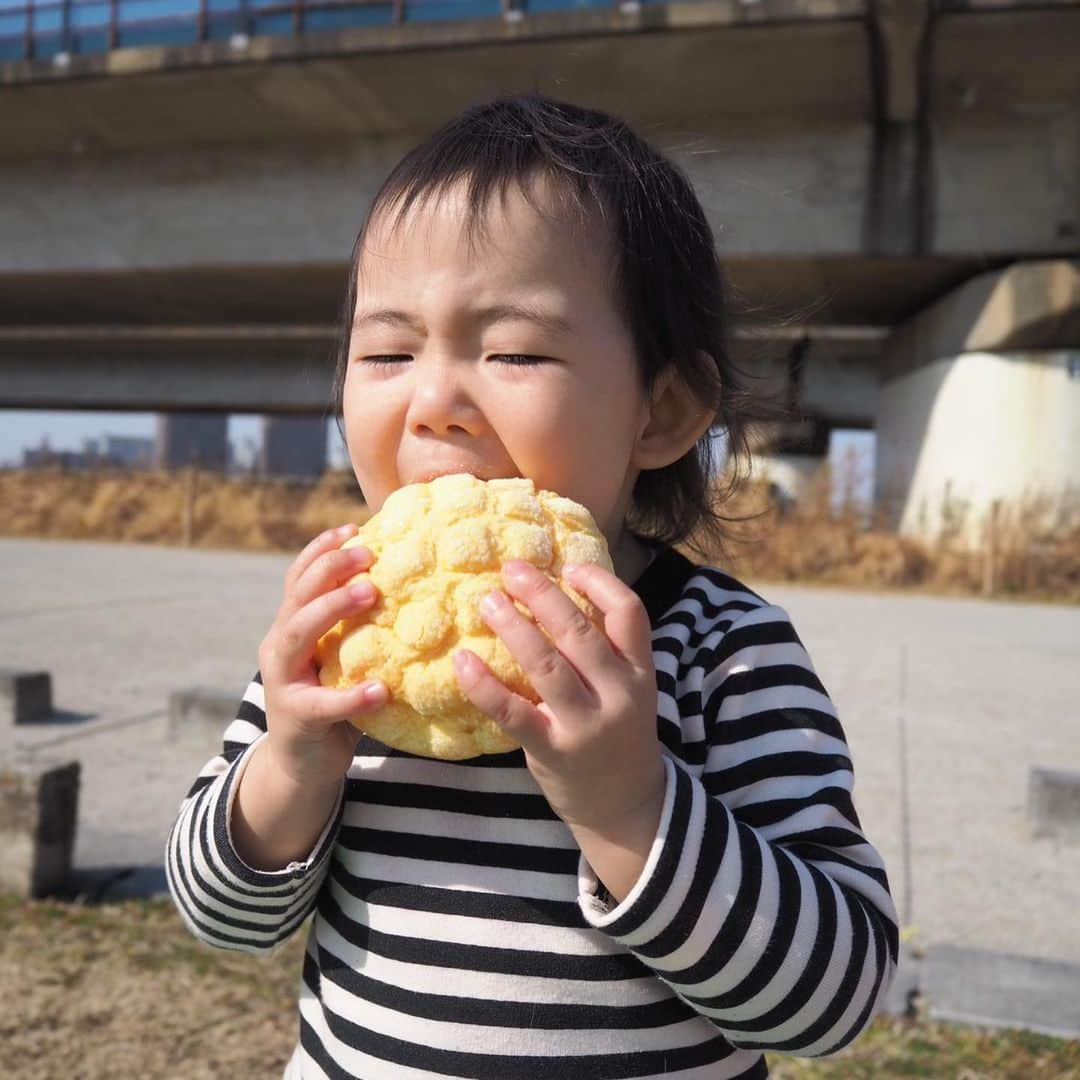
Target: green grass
x=894 y=1047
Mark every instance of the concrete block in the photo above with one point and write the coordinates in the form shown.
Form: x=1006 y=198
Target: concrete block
x=202 y=711
x=975 y=986
x=25 y=696
x=1053 y=805
x=39 y=802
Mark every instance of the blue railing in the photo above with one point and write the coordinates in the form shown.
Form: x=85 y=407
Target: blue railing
x=41 y=29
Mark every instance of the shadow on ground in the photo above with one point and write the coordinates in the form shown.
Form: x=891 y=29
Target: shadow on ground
x=94 y=884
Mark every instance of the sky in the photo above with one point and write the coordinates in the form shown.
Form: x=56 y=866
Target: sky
x=67 y=430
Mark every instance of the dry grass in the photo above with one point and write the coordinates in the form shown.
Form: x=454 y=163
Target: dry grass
x=122 y=989
x=1035 y=548
x=1036 y=545
x=153 y=507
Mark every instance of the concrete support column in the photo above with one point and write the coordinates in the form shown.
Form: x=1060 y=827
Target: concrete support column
x=966 y=430
x=293 y=446
x=980 y=401
x=192 y=439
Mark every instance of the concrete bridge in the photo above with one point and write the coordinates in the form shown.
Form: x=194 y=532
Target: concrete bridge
x=895 y=188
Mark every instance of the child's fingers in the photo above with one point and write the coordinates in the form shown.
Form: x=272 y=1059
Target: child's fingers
x=626 y=622
x=290 y=645
x=520 y=719
x=329 y=570
x=319 y=706
x=325 y=541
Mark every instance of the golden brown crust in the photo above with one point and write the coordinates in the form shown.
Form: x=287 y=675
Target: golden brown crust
x=438 y=550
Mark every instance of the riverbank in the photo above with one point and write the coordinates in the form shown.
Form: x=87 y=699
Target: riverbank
x=813 y=542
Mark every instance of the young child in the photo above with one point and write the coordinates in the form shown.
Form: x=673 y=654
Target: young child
x=670 y=877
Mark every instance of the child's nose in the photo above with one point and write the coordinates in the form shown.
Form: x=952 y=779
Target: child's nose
x=441 y=401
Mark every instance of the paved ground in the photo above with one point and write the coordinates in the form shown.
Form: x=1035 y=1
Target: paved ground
x=976 y=692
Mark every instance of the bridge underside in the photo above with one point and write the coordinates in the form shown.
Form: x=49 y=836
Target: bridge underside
x=873 y=174
x=204 y=333
x=844 y=290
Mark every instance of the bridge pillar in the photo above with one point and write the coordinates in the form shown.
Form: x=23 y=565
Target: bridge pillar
x=192 y=439
x=293 y=446
x=979 y=402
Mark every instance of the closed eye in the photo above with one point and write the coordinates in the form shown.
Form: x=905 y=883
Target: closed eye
x=514 y=359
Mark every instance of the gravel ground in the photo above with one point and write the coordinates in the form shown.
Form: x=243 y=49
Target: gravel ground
x=972 y=694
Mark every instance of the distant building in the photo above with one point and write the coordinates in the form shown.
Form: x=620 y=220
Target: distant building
x=44 y=455
x=192 y=439
x=129 y=451
x=290 y=446
x=106 y=451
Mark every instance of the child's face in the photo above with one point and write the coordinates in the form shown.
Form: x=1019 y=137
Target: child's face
x=568 y=421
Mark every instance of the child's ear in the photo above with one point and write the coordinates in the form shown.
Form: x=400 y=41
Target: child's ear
x=675 y=422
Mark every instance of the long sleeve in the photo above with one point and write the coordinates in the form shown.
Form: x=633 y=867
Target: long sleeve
x=223 y=901
x=762 y=904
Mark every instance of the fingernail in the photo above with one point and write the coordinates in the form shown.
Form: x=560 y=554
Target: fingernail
x=492 y=603
x=362 y=592
x=517 y=569
x=375 y=693
x=570 y=569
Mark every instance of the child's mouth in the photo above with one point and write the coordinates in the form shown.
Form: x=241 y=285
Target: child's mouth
x=431 y=474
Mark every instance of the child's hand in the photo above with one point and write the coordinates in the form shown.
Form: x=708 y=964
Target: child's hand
x=591 y=744
x=310 y=738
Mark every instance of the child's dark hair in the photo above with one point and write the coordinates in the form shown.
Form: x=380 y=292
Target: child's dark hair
x=668 y=281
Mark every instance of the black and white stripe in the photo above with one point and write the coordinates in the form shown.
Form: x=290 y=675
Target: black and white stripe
x=457 y=929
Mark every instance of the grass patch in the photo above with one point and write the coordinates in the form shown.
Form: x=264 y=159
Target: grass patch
x=921 y=1048
x=123 y=989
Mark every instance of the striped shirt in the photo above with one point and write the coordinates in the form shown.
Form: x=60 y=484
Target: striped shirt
x=457 y=929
